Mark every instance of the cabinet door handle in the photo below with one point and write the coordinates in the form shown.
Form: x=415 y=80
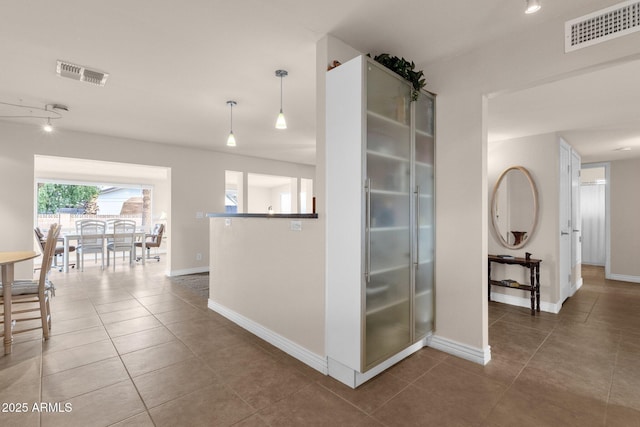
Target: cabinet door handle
x=564 y=233
x=367 y=193
x=417 y=227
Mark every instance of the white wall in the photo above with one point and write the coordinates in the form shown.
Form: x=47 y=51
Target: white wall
x=625 y=226
x=463 y=84
x=259 y=199
x=197 y=183
x=539 y=155
x=272 y=276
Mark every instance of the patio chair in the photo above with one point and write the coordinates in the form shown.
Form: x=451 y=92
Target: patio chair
x=153 y=240
x=91 y=240
x=123 y=241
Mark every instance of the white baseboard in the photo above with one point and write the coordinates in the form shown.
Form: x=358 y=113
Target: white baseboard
x=575 y=287
x=624 y=278
x=353 y=378
x=196 y=270
x=317 y=362
x=525 y=302
x=473 y=354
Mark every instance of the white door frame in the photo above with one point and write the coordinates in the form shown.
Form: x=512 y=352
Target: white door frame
x=607 y=213
x=564 y=223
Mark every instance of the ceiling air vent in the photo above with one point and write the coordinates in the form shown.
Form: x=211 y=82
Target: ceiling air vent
x=78 y=72
x=603 y=25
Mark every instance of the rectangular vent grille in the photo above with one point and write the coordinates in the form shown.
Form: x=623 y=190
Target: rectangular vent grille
x=603 y=25
x=83 y=74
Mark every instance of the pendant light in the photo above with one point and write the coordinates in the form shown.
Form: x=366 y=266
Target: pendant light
x=48 y=127
x=533 y=6
x=231 y=140
x=281 y=123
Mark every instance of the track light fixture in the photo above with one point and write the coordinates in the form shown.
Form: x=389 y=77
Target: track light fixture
x=231 y=140
x=281 y=123
x=49 y=112
x=533 y=6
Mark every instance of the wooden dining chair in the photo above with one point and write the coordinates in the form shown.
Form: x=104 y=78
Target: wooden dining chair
x=59 y=250
x=30 y=292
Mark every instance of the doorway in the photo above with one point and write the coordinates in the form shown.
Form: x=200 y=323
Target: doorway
x=594 y=196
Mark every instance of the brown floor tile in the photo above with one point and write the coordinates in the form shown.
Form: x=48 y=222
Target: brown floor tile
x=143 y=339
x=126 y=304
x=119 y=316
x=497 y=370
x=370 y=395
x=314 y=405
x=514 y=343
x=625 y=387
x=20 y=416
x=214 y=340
x=101 y=407
x=179 y=315
x=64 y=385
x=141 y=420
x=174 y=381
x=411 y=407
x=151 y=358
x=57 y=361
x=523 y=410
x=252 y=421
x=73 y=325
x=261 y=384
x=579 y=367
x=618 y=416
x=473 y=395
x=212 y=405
x=109 y=296
x=543 y=386
x=414 y=366
x=542 y=321
x=169 y=305
x=74 y=339
x=86 y=310
x=131 y=326
x=199 y=326
x=155 y=299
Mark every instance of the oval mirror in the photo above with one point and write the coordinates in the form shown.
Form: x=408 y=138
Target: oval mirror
x=514 y=207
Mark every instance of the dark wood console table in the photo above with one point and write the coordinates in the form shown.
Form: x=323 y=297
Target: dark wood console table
x=534 y=278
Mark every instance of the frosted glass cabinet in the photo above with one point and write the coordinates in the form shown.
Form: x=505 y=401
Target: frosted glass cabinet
x=380 y=237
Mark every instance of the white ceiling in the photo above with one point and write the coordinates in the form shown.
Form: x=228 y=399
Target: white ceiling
x=173 y=65
x=597 y=112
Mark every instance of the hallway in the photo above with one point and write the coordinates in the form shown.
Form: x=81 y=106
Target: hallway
x=129 y=347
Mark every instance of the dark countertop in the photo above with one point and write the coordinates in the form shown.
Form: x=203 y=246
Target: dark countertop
x=262 y=215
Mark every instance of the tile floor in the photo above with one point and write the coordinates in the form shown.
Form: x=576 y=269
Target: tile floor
x=129 y=348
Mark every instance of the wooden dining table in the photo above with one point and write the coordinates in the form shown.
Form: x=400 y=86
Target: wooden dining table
x=7 y=262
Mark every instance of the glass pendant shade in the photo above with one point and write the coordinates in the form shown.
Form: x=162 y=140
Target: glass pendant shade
x=281 y=123
x=231 y=140
x=47 y=127
x=532 y=6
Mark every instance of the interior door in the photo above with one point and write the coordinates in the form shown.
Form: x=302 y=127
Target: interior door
x=576 y=221
x=564 y=263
